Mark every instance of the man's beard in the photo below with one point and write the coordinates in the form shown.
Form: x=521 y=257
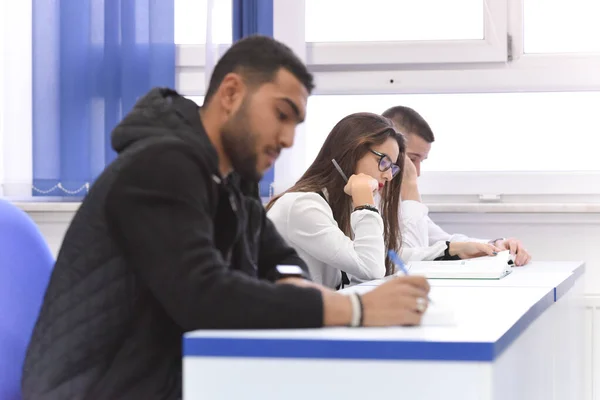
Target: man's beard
x=239 y=143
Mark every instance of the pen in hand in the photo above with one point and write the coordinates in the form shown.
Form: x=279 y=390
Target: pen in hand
x=337 y=166
x=400 y=264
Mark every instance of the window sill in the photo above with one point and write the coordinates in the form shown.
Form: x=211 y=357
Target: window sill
x=509 y=208
x=48 y=206
x=498 y=208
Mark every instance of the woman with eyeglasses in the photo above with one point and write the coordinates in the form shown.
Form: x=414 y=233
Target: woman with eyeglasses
x=335 y=224
x=342 y=227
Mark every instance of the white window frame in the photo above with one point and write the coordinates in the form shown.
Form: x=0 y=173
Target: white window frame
x=498 y=186
x=190 y=61
x=2 y=91
x=525 y=73
x=337 y=73
x=492 y=48
x=531 y=73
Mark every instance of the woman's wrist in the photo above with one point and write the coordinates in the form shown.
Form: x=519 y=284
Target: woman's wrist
x=452 y=249
x=362 y=195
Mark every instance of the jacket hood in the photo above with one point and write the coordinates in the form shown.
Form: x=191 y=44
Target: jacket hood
x=161 y=113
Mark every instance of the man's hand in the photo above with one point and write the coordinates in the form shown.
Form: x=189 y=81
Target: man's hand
x=409 y=189
x=466 y=250
x=409 y=174
x=522 y=256
x=398 y=301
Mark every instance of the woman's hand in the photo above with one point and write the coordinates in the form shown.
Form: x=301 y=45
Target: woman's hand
x=522 y=256
x=472 y=249
x=361 y=188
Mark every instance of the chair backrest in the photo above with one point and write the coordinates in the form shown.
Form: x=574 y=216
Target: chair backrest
x=25 y=266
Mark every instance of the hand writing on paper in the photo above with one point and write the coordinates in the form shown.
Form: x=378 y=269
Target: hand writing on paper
x=398 y=301
x=522 y=256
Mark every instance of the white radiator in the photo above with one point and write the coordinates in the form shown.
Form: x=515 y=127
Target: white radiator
x=592 y=346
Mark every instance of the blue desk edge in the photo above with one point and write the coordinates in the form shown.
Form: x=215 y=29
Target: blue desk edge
x=364 y=349
x=375 y=349
x=567 y=284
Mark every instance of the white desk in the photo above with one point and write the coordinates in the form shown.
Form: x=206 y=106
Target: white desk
x=509 y=342
x=558 y=275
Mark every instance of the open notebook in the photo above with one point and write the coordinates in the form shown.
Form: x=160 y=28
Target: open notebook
x=494 y=267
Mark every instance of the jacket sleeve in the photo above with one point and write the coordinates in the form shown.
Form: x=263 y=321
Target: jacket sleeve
x=159 y=215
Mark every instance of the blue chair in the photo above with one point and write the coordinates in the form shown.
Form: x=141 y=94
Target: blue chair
x=25 y=266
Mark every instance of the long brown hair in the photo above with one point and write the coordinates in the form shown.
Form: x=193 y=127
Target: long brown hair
x=349 y=140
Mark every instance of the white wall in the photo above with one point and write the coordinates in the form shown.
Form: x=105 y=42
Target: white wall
x=548 y=236
x=551 y=237
x=53 y=226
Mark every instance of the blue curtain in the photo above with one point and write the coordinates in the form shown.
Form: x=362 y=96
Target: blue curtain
x=255 y=17
x=92 y=59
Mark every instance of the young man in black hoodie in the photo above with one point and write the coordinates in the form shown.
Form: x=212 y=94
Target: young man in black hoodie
x=165 y=243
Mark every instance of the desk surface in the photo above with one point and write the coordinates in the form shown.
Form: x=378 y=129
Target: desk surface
x=475 y=337
x=557 y=275
x=513 y=310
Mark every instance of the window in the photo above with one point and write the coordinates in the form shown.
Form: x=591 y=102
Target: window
x=489 y=143
x=15 y=99
x=405 y=31
x=485 y=132
x=449 y=61
x=399 y=20
x=196 y=57
x=561 y=26
x=191 y=21
x=196 y=99
x=3 y=55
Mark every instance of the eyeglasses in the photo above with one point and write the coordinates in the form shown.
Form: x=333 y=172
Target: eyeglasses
x=385 y=163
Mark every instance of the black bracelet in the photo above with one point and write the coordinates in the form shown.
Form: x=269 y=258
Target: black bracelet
x=367 y=207
x=447 y=255
x=362 y=310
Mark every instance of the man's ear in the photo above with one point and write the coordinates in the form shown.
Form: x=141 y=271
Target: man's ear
x=231 y=92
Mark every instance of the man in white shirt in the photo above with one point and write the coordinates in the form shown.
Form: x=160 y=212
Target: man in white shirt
x=418 y=229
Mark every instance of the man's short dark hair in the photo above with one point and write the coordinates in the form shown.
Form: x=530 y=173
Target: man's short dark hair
x=409 y=121
x=258 y=59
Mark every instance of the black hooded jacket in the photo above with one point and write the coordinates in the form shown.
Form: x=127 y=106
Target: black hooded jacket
x=161 y=245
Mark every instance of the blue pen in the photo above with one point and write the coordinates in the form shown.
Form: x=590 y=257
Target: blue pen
x=397 y=261
x=400 y=264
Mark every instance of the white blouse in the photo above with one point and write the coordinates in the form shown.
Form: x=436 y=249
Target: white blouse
x=418 y=230
x=305 y=221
